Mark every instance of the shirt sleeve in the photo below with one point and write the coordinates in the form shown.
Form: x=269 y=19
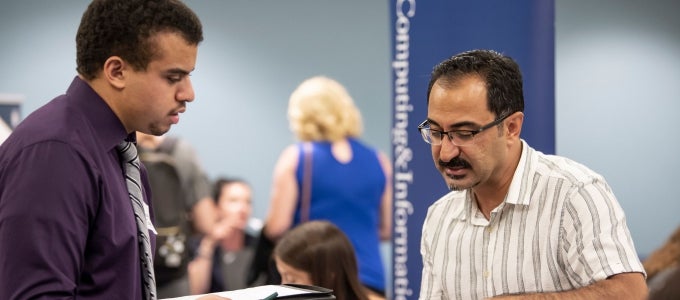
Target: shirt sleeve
x=46 y=202
x=595 y=236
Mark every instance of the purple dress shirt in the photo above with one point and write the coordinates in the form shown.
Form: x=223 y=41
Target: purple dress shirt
x=67 y=228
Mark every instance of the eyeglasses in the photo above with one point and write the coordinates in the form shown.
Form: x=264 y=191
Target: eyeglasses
x=457 y=137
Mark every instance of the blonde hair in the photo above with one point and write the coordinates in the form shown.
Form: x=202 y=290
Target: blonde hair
x=321 y=109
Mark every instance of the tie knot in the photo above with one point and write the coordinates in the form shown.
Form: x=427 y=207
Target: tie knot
x=127 y=151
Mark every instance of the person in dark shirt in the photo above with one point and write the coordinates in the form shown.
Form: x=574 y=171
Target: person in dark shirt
x=222 y=258
x=67 y=227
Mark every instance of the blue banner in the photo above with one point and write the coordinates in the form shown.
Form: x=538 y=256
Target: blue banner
x=425 y=33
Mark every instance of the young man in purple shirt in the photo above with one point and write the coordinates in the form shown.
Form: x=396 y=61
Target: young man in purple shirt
x=67 y=228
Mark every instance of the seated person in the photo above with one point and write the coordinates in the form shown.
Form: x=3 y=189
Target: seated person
x=319 y=253
x=663 y=269
x=222 y=257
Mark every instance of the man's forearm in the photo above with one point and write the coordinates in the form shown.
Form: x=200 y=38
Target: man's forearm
x=620 y=286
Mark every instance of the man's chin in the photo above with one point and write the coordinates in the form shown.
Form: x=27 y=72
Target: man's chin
x=157 y=131
x=457 y=184
x=457 y=188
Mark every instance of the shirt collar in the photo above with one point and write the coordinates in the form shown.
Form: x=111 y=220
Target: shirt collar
x=109 y=129
x=519 y=191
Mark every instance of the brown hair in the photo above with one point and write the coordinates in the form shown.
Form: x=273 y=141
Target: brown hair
x=665 y=256
x=324 y=251
x=221 y=182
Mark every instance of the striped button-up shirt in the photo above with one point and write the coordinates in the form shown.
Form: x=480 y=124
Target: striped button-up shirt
x=559 y=228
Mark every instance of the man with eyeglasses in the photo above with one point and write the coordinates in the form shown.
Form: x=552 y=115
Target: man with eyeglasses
x=517 y=223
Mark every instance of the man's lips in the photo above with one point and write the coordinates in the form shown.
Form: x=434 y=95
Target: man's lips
x=455 y=171
x=174 y=117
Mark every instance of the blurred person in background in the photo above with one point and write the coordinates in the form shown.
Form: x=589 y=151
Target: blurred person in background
x=349 y=183
x=318 y=253
x=180 y=191
x=195 y=181
x=663 y=269
x=222 y=258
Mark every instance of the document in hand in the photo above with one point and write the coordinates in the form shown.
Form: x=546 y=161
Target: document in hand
x=284 y=291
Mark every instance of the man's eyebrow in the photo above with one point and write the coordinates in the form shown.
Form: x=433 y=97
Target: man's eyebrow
x=178 y=71
x=454 y=126
x=464 y=124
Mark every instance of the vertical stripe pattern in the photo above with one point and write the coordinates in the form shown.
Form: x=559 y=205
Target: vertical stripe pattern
x=130 y=162
x=560 y=228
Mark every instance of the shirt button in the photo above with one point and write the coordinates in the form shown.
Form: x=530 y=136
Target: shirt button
x=486 y=274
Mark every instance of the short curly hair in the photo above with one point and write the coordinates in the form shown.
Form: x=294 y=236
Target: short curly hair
x=321 y=109
x=126 y=28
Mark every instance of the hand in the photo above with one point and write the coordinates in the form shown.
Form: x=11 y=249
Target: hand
x=224 y=228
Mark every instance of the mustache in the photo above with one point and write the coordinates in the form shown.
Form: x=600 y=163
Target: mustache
x=456 y=162
x=182 y=108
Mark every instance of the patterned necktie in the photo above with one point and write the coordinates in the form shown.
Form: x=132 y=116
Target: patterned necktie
x=130 y=161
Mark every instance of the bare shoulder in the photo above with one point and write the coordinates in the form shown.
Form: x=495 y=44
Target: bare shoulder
x=288 y=159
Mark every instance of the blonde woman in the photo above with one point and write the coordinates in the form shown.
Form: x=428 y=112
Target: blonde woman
x=349 y=181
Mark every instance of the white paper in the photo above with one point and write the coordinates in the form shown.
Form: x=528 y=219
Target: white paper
x=254 y=293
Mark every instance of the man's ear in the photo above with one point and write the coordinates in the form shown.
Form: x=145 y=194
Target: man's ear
x=114 y=74
x=515 y=123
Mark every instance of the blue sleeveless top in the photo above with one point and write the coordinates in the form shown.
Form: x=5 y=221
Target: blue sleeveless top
x=348 y=195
